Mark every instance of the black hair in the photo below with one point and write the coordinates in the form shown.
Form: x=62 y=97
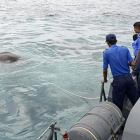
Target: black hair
x=135 y=37
x=112 y=42
x=137 y=24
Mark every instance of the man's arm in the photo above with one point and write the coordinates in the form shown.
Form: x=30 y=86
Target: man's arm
x=136 y=70
x=104 y=76
x=133 y=63
x=105 y=67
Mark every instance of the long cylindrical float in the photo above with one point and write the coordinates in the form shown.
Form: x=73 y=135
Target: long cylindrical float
x=101 y=123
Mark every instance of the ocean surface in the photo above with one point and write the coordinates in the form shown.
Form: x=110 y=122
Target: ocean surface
x=61 y=43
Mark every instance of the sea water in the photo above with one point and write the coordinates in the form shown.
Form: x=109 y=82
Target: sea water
x=61 y=43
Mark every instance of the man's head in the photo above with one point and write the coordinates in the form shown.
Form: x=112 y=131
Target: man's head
x=137 y=27
x=135 y=37
x=111 y=39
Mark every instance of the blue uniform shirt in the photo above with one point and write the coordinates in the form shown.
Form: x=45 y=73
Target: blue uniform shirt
x=135 y=48
x=118 y=59
x=136 y=45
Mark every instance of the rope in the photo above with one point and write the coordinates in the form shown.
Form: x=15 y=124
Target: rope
x=74 y=93
x=75 y=114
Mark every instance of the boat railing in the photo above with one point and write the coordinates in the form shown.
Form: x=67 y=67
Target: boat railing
x=52 y=130
x=102 y=94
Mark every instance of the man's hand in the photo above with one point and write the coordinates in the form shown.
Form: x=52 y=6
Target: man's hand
x=132 y=67
x=132 y=75
x=104 y=81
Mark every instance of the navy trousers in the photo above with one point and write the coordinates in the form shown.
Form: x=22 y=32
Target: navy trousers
x=122 y=86
x=138 y=79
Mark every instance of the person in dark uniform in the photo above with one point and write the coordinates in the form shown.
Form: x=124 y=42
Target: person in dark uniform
x=119 y=59
x=136 y=47
x=136 y=72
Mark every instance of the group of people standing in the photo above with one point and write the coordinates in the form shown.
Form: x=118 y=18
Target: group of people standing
x=119 y=59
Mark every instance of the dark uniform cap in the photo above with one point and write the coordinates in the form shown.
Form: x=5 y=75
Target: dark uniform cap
x=110 y=37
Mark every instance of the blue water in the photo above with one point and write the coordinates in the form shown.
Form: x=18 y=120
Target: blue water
x=61 y=45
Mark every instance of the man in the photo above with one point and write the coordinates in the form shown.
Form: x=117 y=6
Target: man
x=135 y=49
x=136 y=72
x=137 y=43
x=119 y=59
x=136 y=46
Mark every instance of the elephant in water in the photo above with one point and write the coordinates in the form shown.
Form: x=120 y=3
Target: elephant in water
x=7 y=56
